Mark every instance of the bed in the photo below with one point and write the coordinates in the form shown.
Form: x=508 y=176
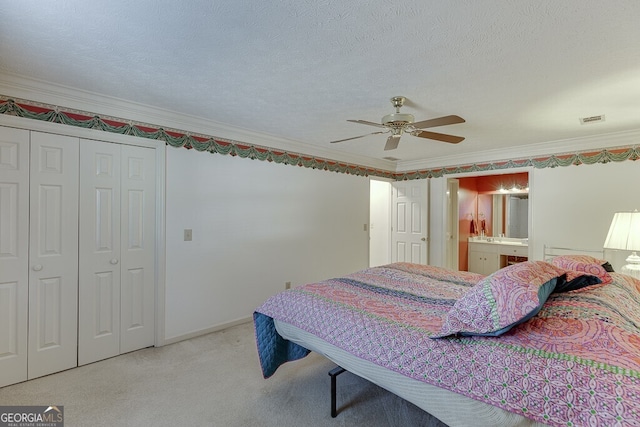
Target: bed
x=554 y=342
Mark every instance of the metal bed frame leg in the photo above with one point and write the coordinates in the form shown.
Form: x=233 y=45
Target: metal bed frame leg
x=333 y=374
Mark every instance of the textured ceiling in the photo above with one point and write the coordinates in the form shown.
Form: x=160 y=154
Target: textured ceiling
x=519 y=72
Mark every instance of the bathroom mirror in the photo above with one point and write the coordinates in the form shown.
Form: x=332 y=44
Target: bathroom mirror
x=511 y=215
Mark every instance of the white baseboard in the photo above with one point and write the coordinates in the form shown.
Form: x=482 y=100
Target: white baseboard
x=205 y=331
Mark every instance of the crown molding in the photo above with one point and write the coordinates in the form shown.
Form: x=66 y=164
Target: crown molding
x=48 y=93
x=54 y=97
x=544 y=149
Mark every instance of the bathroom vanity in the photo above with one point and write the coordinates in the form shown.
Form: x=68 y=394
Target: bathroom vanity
x=489 y=255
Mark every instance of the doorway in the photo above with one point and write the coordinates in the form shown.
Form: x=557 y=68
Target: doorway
x=379 y=222
x=475 y=211
x=451 y=260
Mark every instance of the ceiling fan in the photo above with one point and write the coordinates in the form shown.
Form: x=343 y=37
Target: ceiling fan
x=398 y=123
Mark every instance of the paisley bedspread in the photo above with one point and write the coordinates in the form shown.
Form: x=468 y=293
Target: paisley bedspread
x=577 y=362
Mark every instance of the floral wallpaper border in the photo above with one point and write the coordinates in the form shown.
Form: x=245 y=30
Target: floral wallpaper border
x=180 y=138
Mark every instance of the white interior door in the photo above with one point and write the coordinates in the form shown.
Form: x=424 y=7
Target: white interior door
x=409 y=218
x=14 y=254
x=137 y=293
x=99 y=280
x=53 y=254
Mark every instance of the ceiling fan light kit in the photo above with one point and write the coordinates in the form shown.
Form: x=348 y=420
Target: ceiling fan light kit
x=397 y=119
x=398 y=123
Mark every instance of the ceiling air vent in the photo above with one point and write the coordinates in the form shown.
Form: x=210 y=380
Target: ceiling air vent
x=393 y=159
x=592 y=119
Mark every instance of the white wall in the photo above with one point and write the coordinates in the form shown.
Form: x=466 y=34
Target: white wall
x=573 y=206
x=256 y=225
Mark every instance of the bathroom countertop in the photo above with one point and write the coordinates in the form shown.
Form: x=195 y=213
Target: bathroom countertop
x=500 y=241
x=518 y=247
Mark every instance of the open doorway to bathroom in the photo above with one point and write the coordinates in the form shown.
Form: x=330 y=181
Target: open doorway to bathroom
x=488 y=206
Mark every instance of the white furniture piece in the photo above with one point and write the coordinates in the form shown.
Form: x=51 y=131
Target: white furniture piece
x=486 y=257
x=58 y=226
x=483 y=259
x=553 y=251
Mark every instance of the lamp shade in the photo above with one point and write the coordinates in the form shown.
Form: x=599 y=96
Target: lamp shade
x=624 y=233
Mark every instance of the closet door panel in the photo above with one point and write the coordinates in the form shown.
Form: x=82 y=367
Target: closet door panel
x=14 y=254
x=138 y=248
x=53 y=258
x=99 y=282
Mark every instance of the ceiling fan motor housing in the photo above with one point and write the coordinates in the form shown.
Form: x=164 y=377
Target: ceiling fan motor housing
x=397 y=119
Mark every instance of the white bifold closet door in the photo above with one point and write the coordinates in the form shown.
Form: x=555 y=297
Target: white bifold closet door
x=117 y=255
x=38 y=254
x=53 y=254
x=14 y=254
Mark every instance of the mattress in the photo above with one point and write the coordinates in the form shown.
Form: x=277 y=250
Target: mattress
x=451 y=408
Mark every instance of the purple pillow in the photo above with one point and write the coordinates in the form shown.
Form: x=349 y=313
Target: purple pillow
x=586 y=264
x=498 y=302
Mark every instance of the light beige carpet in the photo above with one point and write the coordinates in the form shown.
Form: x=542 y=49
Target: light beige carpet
x=213 y=380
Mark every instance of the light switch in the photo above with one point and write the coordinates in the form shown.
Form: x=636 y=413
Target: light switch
x=188 y=235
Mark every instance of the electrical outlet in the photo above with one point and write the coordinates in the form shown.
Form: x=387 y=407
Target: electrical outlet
x=287 y=285
x=188 y=234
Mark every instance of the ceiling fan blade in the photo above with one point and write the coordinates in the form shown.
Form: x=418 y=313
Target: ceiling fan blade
x=355 y=137
x=364 y=122
x=440 y=121
x=438 y=136
x=392 y=142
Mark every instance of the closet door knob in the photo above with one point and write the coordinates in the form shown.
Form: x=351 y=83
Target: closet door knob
x=114 y=261
x=37 y=267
